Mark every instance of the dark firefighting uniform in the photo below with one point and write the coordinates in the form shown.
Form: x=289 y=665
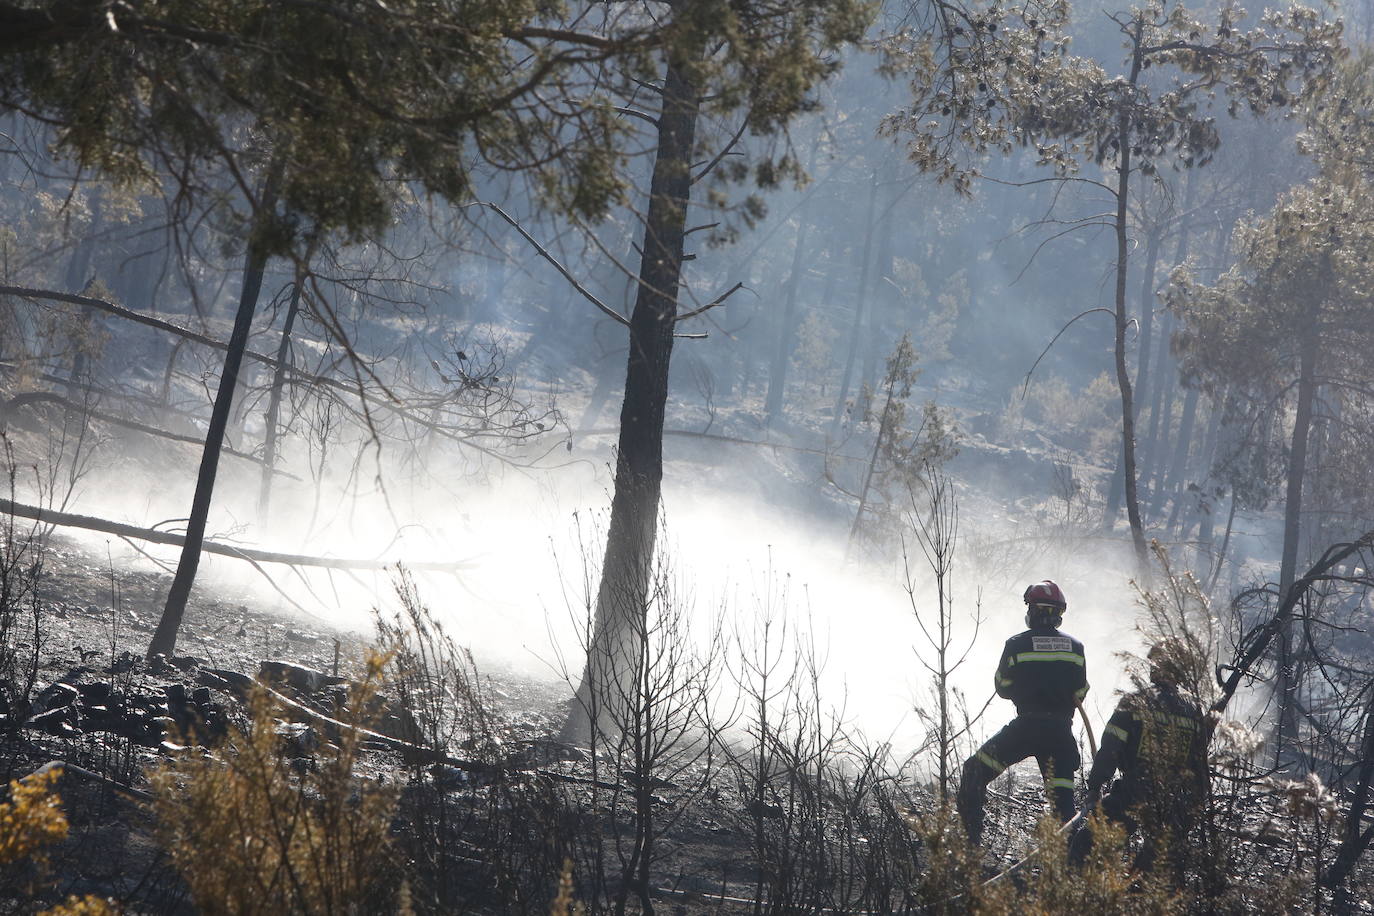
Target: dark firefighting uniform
x=1158 y=740
x=1044 y=672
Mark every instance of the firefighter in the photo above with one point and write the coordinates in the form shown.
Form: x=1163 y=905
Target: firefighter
x=1157 y=738
x=1042 y=671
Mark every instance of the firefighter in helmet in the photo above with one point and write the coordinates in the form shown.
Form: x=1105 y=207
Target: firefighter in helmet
x=1157 y=738
x=1042 y=671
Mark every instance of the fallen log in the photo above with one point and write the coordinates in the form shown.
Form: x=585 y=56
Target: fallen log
x=242 y=686
x=91 y=523
x=72 y=769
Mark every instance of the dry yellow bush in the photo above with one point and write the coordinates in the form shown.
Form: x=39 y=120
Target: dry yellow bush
x=30 y=822
x=82 y=906
x=1046 y=885
x=252 y=831
x=564 y=904
x=32 y=819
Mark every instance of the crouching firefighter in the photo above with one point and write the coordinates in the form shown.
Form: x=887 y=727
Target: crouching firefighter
x=1157 y=738
x=1042 y=671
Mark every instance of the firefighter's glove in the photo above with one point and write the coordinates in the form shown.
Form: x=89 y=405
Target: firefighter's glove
x=1093 y=797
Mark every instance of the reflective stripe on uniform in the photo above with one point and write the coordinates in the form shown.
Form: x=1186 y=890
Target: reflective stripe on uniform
x=1117 y=731
x=1051 y=657
x=991 y=762
x=1060 y=782
x=1165 y=718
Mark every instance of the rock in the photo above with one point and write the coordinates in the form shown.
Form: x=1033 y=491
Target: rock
x=395 y=721
x=448 y=778
x=60 y=722
x=178 y=708
x=127 y=661
x=187 y=662
x=298 y=739
x=195 y=719
x=241 y=685
x=297 y=677
x=95 y=693
x=55 y=696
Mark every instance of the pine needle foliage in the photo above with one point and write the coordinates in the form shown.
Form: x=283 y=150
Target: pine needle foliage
x=355 y=98
x=252 y=833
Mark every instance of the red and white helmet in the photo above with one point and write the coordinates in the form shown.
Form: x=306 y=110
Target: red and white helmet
x=1045 y=594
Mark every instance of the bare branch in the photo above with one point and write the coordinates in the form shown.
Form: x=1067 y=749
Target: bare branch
x=725 y=151
x=586 y=293
x=91 y=523
x=1051 y=344
x=712 y=304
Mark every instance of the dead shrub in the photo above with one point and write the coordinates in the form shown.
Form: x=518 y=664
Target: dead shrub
x=253 y=831
x=31 y=820
x=954 y=879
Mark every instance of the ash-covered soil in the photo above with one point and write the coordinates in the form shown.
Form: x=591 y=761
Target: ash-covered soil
x=484 y=822
x=111 y=717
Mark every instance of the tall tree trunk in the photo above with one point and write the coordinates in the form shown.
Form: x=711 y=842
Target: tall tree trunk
x=1163 y=382
x=1142 y=368
x=1177 y=466
x=1292 y=532
x=881 y=304
x=627 y=570
x=1123 y=378
x=860 y=305
x=1205 y=507
x=782 y=350
x=255 y=261
x=269 y=445
x=885 y=432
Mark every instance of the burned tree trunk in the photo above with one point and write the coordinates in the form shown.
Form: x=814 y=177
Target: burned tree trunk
x=626 y=572
x=255 y=262
x=1123 y=378
x=1292 y=529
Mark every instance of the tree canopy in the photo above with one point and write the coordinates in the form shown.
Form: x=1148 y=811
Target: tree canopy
x=357 y=97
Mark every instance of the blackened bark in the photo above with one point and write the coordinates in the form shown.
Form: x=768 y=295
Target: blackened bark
x=1205 y=507
x=1172 y=478
x=1160 y=392
x=1292 y=530
x=626 y=572
x=1142 y=368
x=1123 y=378
x=165 y=637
